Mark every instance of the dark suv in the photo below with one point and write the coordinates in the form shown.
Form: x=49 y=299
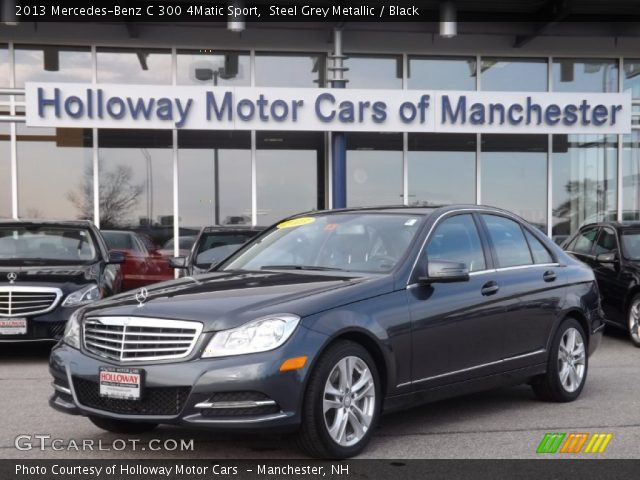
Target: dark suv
x=612 y=250
x=47 y=270
x=212 y=245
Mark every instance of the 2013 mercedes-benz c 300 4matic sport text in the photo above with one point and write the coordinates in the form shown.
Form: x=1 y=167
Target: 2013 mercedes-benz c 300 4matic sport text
x=327 y=319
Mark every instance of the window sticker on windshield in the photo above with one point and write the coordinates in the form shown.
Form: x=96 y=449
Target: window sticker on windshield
x=330 y=227
x=411 y=222
x=296 y=222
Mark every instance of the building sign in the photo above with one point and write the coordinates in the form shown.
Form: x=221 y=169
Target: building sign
x=350 y=110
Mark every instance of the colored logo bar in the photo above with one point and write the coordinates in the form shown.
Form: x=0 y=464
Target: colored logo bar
x=574 y=442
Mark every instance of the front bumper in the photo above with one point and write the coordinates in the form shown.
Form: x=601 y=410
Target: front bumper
x=47 y=327
x=190 y=387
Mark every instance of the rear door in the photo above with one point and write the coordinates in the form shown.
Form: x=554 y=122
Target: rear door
x=533 y=285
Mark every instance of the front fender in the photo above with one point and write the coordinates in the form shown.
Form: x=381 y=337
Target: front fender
x=383 y=321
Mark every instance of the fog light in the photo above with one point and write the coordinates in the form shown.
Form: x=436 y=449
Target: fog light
x=293 y=364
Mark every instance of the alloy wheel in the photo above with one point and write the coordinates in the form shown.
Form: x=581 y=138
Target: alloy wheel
x=634 y=321
x=571 y=360
x=349 y=400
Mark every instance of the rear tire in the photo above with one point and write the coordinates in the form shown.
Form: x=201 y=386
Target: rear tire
x=633 y=320
x=121 y=426
x=567 y=365
x=341 y=404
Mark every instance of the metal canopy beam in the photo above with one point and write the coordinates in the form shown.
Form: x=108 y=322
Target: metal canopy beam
x=555 y=10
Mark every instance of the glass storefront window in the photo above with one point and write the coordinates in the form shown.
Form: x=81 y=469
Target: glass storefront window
x=52 y=64
x=136 y=182
x=214 y=178
x=513 y=74
x=134 y=66
x=5 y=74
x=290 y=174
x=442 y=73
x=5 y=171
x=585 y=75
x=373 y=71
x=584 y=181
x=442 y=168
x=506 y=161
x=290 y=70
x=55 y=173
x=631 y=80
x=209 y=67
x=631 y=177
x=374 y=169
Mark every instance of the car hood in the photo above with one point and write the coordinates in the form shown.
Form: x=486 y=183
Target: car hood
x=223 y=300
x=66 y=277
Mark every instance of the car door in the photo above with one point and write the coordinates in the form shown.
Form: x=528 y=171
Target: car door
x=456 y=327
x=611 y=282
x=533 y=285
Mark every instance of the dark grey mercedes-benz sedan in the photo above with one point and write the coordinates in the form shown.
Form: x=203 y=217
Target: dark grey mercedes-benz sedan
x=327 y=319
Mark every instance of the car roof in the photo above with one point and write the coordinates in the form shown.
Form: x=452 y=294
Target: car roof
x=613 y=224
x=410 y=209
x=46 y=223
x=232 y=228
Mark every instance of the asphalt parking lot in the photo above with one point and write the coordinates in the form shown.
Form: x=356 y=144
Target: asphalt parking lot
x=504 y=423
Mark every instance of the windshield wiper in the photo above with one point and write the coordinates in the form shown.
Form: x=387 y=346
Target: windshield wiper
x=299 y=267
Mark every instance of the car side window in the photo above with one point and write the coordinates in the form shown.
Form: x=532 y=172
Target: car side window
x=509 y=243
x=584 y=241
x=456 y=239
x=606 y=242
x=538 y=250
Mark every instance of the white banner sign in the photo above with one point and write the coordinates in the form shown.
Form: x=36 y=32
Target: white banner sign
x=78 y=105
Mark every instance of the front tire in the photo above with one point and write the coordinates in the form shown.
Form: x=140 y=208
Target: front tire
x=567 y=365
x=633 y=320
x=121 y=426
x=341 y=404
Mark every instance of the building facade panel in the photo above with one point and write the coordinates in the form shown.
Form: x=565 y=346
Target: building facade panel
x=259 y=177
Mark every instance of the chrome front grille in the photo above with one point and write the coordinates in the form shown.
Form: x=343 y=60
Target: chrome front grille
x=133 y=339
x=25 y=301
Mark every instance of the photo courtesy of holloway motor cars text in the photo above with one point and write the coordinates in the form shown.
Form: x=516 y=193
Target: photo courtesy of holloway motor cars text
x=319 y=239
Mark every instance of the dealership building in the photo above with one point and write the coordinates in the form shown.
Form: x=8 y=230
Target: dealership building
x=503 y=113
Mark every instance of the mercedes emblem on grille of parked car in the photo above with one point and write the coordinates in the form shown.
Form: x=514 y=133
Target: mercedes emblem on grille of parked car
x=12 y=277
x=141 y=296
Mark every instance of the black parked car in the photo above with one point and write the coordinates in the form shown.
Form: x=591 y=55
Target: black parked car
x=327 y=319
x=613 y=251
x=48 y=270
x=212 y=245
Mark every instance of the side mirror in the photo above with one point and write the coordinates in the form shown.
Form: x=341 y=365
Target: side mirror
x=444 y=271
x=178 y=262
x=610 y=257
x=116 y=258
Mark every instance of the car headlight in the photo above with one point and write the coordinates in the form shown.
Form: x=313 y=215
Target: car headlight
x=85 y=295
x=258 y=335
x=72 y=330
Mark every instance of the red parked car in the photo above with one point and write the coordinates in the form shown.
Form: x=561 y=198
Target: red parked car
x=143 y=265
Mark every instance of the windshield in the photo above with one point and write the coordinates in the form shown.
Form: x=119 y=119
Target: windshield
x=356 y=242
x=631 y=244
x=215 y=246
x=185 y=243
x=39 y=245
x=118 y=240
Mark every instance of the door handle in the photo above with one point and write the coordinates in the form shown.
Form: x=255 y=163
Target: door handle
x=549 y=276
x=490 y=288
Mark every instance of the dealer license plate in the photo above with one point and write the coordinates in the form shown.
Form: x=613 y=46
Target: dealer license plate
x=121 y=383
x=13 y=326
